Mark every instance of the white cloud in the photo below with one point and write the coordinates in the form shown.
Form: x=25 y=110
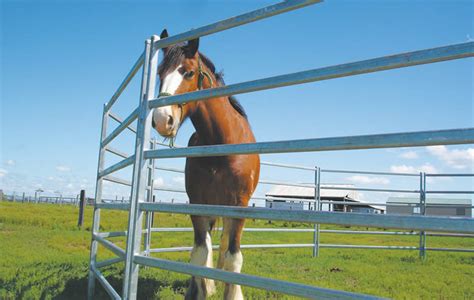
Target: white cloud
x=456 y=158
x=10 y=162
x=62 y=168
x=409 y=155
x=158 y=182
x=179 y=180
x=3 y=172
x=427 y=168
x=368 y=180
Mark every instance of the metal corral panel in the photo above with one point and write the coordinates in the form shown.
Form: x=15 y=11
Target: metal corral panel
x=435 y=206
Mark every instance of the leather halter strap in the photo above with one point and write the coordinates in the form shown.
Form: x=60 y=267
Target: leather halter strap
x=201 y=75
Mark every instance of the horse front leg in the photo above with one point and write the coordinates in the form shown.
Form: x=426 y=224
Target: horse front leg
x=230 y=256
x=201 y=255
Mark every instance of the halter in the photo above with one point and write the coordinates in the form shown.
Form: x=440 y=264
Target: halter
x=201 y=75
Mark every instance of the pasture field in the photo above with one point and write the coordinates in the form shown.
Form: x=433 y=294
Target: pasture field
x=43 y=255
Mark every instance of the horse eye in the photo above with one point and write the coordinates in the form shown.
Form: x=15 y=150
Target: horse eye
x=189 y=74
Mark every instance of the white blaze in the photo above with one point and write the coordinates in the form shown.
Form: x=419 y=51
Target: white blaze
x=172 y=81
x=170 y=84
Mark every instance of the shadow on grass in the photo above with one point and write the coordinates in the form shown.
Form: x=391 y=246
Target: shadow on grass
x=148 y=288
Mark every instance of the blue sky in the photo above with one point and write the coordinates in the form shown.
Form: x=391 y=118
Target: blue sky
x=60 y=61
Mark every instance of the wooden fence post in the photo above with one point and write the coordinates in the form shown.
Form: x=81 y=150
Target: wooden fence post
x=82 y=205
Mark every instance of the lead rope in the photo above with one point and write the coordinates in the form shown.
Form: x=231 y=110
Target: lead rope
x=201 y=75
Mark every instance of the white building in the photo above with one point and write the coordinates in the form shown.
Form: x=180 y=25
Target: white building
x=296 y=197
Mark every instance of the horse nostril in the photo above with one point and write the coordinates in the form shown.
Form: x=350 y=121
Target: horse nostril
x=153 y=125
x=170 y=121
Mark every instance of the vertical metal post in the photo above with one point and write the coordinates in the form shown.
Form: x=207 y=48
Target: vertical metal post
x=148 y=214
x=98 y=199
x=317 y=207
x=140 y=168
x=423 y=213
x=82 y=206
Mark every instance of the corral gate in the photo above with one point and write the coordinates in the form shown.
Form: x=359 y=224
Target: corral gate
x=142 y=182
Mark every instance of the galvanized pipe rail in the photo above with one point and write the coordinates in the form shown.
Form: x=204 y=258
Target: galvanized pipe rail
x=141 y=188
x=350 y=69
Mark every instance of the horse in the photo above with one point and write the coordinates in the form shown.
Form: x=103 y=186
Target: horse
x=226 y=180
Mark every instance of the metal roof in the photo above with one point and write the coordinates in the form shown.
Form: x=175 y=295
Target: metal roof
x=414 y=200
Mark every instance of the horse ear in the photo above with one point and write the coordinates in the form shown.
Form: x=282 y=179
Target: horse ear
x=164 y=35
x=191 y=48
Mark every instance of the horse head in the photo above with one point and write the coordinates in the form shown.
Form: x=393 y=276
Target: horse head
x=181 y=71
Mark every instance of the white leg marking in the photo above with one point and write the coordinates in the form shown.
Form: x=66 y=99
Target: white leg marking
x=202 y=256
x=233 y=263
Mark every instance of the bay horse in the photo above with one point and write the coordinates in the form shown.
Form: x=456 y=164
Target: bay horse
x=225 y=180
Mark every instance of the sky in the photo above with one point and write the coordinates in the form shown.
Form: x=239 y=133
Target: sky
x=61 y=60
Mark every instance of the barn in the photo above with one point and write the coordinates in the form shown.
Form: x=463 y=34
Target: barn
x=297 y=197
x=434 y=206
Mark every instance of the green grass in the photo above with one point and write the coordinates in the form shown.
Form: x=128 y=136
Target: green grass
x=43 y=255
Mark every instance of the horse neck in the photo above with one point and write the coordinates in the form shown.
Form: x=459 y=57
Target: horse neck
x=217 y=122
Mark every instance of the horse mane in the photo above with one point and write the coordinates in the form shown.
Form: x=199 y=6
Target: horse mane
x=175 y=54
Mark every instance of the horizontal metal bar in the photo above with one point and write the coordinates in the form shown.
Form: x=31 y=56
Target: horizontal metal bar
x=369 y=232
x=105 y=284
x=169 y=169
x=334 y=231
x=108 y=262
x=111 y=234
x=364 y=203
x=325 y=187
x=449 y=249
x=369 y=247
x=120 y=128
x=368 y=189
x=261 y=246
x=271 y=182
x=442 y=224
x=450 y=205
x=120 y=121
x=369 y=173
x=166 y=189
x=239 y=20
x=117 y=180
x=109 y=245
x=113 y=206
x=125 y=82
x=269 y=246
x=116 y=152
x=451 y=175
x=271 y=199
x=288 y=288
x=450 y=192
x=402 y=60
x=118 y=166
x=457 y=235
x=190 y=229
x=392 y=140
x=266 y=163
